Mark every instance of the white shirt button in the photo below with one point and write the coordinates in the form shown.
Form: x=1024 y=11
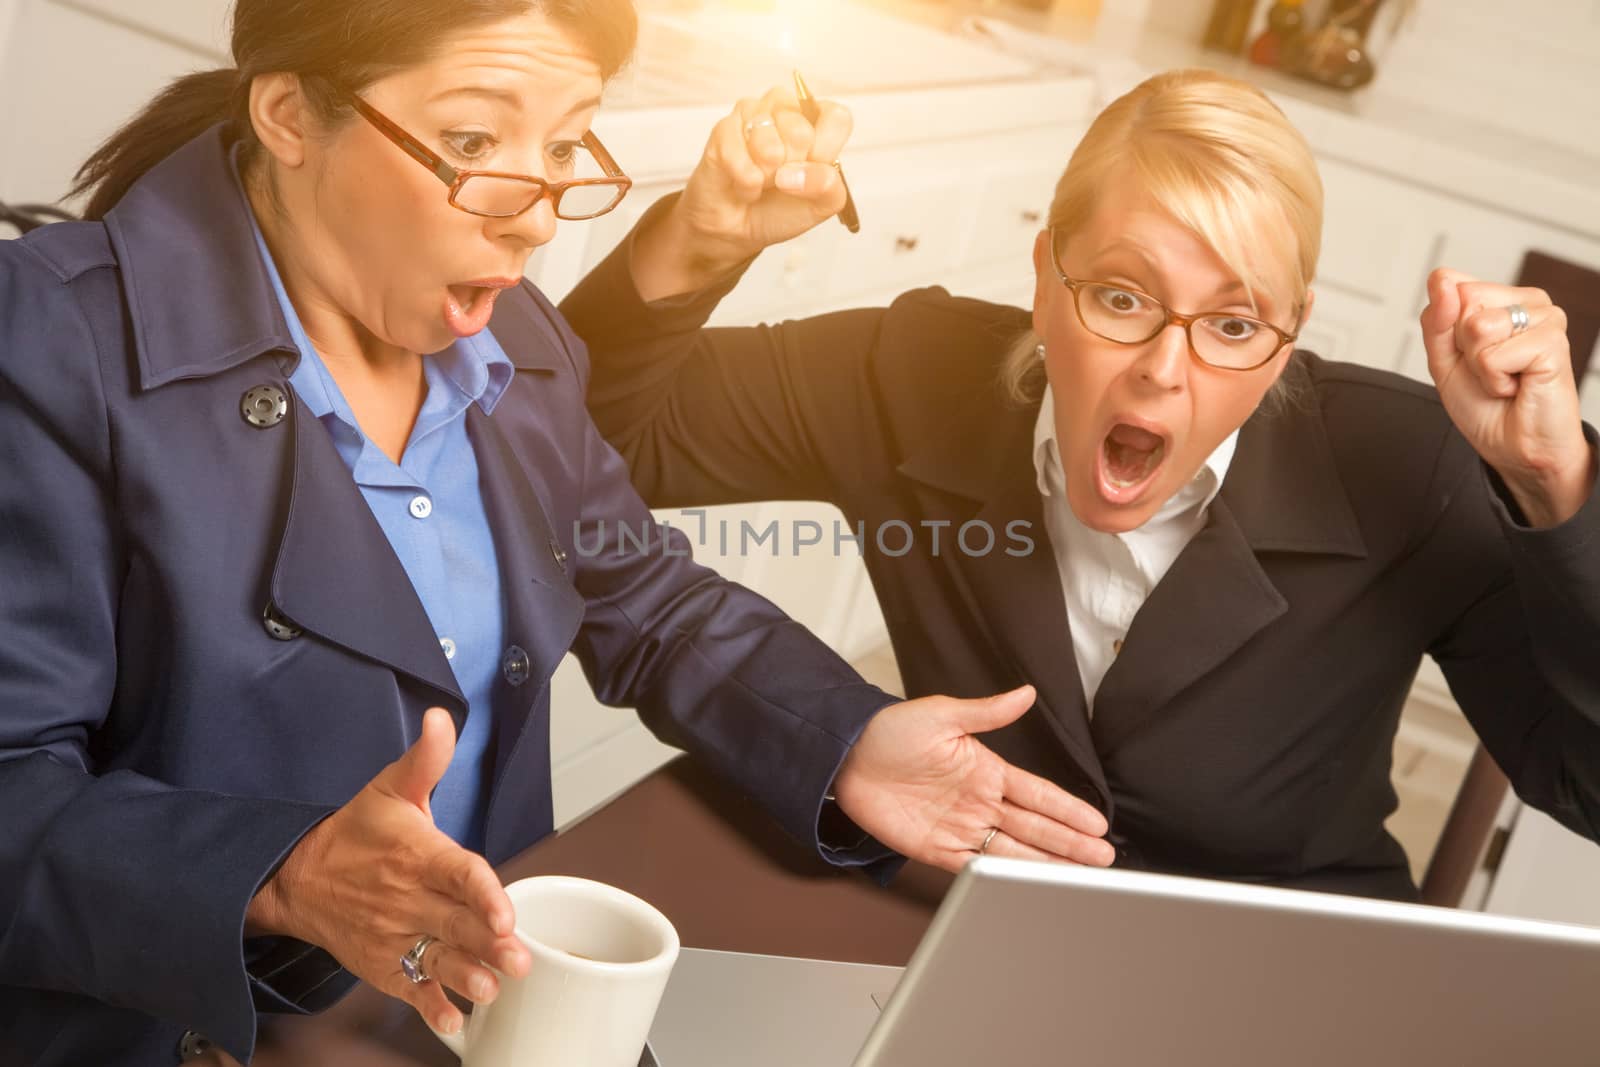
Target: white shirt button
x=449 y=647
x=421 y=507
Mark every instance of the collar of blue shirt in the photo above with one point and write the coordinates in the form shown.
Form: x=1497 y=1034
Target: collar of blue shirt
x=184 y=227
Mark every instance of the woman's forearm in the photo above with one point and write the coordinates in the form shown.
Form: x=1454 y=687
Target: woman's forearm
x=670 y=258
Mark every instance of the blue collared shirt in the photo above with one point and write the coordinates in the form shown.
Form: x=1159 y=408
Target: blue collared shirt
x=431 y=509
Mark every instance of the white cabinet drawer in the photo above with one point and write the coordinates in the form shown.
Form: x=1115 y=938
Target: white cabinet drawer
x=911 y=230
x=783 y=276
x=932 y=211
x=1012 y=207
x=1377 y=233
x=1351 y=327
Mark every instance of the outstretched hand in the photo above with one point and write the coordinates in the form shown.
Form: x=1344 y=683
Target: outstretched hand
x=921 y=782
x=371 y=879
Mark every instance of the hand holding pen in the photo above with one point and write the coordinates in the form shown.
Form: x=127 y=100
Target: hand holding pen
x=773 y=137
x=812 y=112
x=769 y=173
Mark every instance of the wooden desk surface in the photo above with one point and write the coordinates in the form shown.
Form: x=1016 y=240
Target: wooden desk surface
x=725 y=875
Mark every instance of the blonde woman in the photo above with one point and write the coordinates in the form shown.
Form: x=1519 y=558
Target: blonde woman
x=1218 y=559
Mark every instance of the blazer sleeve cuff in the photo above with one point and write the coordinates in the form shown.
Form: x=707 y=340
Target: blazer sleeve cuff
x=134 y=892
x=289 y=976
x=1557 y=573
x=839 y=841
x=226 y=995
x=1564 y=544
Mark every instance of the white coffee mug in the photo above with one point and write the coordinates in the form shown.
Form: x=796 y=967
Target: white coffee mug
x=601 y=958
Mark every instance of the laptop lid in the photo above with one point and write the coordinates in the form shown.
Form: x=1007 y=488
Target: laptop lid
x=1030 y=963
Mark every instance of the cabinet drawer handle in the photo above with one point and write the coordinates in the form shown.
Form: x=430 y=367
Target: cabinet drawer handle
x=1031 y=217
x=906 y=244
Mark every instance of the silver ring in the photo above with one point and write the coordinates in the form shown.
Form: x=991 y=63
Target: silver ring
x=411 y=963
x=1519 y=318
x=989 y=837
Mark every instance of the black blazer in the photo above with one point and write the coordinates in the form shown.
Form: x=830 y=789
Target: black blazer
x=1245 y=729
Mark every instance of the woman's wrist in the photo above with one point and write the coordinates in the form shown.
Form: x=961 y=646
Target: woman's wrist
x=271 y=911
x=670 y=256
x=1550 y=498
x=266 y=914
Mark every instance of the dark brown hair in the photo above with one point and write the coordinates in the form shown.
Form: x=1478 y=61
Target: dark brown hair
x=335 y=47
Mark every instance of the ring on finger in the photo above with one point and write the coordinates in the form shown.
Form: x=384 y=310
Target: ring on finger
x=413 y=964
x=988 y=839
x=1519 y=318
x=460 y=971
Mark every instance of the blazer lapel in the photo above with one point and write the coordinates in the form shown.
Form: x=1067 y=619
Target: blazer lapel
x=543 y=608
x=336 y=574
x=987 y=465
x=1282 y=494
x=1213 y=600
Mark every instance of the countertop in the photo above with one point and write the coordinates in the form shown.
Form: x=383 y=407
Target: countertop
x=1458 y=153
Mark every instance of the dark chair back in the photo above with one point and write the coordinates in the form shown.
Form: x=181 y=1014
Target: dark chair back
x=1576 y=290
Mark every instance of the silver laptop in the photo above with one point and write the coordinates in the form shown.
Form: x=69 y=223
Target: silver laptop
x=1033 y=964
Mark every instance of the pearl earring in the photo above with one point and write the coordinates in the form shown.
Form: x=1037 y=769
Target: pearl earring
x=1038 y=350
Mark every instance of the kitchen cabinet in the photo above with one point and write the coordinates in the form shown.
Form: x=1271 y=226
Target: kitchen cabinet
x=1382 y=238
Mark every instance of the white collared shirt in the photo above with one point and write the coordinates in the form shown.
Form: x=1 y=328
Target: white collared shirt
x=1107 y=577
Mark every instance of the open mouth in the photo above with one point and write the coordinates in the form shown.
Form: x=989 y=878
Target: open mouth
x=1129 y=458
x=468 y=308
x=466 y=295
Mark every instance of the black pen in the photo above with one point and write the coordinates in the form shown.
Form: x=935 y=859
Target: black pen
x=809 y=108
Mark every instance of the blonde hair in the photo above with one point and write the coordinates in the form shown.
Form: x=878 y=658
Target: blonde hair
x=1222 y=160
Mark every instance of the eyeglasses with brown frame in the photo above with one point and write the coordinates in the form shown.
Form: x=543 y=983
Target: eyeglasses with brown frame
x=499 y=195
x=1128 y=316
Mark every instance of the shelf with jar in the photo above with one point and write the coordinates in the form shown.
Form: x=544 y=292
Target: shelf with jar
x=1327 y=42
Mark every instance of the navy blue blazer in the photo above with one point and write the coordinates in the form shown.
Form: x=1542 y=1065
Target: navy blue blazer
x=161 y=750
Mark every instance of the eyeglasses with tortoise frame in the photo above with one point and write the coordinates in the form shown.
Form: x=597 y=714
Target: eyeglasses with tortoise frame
x=501 y=195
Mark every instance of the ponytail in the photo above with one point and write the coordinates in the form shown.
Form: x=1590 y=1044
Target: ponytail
x=183 y=111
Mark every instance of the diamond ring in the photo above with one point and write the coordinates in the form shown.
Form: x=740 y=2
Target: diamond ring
x=412 y=964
